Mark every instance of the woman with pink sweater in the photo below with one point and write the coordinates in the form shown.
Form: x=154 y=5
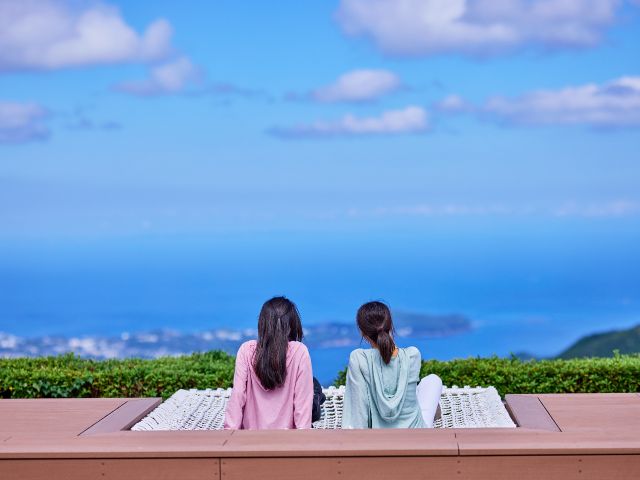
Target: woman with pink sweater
x=273 y=382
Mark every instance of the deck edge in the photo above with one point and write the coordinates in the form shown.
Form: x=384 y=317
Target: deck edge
x=123 y=417
x=529 y=412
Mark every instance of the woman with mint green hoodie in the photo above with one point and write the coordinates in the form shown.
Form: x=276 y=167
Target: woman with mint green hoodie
x=383 y=383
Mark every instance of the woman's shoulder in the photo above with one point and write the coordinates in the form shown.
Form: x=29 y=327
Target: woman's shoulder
x=247 y=347
x=297 y=348
x=358 y=355
x=413 y=353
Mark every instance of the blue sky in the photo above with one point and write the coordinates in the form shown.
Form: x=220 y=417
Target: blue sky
x=173 y=164
x=167 y=118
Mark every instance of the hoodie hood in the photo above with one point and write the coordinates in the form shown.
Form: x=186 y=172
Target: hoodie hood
x=389 y=382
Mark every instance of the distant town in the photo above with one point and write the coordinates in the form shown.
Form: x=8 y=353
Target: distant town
x=162 y=342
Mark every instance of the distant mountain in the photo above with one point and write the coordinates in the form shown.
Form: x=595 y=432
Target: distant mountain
x=603 y=344
x=410 y=323
x=407 y=325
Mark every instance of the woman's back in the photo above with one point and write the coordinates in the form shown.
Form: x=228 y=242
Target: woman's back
x=251 y=406
x=380 y=395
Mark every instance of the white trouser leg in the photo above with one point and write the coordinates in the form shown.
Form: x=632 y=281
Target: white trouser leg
x=429 y=390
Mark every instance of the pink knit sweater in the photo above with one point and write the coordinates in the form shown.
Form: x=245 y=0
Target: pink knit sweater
x=252 y=407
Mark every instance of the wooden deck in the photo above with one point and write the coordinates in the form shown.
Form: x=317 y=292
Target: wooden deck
x=590 y=436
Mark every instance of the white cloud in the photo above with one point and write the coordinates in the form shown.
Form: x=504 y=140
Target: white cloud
x=22 y=122
x=453 y=104
x=54 y=34
x=606 y=209
x=166 y=78
x=411 y=119
x=358 y=86
x=613 y=104
x=438 y=210
x=476 y=27
x=617 y=208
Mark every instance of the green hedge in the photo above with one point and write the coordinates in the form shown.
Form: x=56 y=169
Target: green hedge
x=620 y=373
x=72 y=376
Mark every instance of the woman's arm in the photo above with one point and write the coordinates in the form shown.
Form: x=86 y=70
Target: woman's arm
x=355 y=411
x=303 y=392
x=235 y=406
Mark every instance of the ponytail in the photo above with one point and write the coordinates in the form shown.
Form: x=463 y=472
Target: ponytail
x=375 y=323
x=386 y=346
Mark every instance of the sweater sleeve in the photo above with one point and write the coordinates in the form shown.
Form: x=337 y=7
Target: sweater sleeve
x=355 y=412
x=303 y=392
x=235 y=406
x=416 y=363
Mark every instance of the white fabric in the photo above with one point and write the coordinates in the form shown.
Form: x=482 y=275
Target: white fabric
x=204 y=410
x=429 y=391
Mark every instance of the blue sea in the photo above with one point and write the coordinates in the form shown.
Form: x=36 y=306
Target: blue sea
x=530 y=287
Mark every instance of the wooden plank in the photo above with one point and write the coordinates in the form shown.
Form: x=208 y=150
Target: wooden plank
x=126 y=444
x=53 y=416
x=380 y=468
x=577 y=397
x=114 y=469
x=529 y=412
x=435 y=468
x=595 y=467
x=615 y=413
x=539 y=442
x=327 y=443
x=124 y=417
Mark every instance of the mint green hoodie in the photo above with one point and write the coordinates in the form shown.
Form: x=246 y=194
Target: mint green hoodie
x=380 y=395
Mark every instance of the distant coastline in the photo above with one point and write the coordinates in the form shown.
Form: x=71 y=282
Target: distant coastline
x=162 y=342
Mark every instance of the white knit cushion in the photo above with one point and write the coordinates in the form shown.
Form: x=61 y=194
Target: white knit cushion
x=204 y=410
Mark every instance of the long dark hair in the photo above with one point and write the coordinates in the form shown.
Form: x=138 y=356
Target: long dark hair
x=278 y=324
x=375 y=323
